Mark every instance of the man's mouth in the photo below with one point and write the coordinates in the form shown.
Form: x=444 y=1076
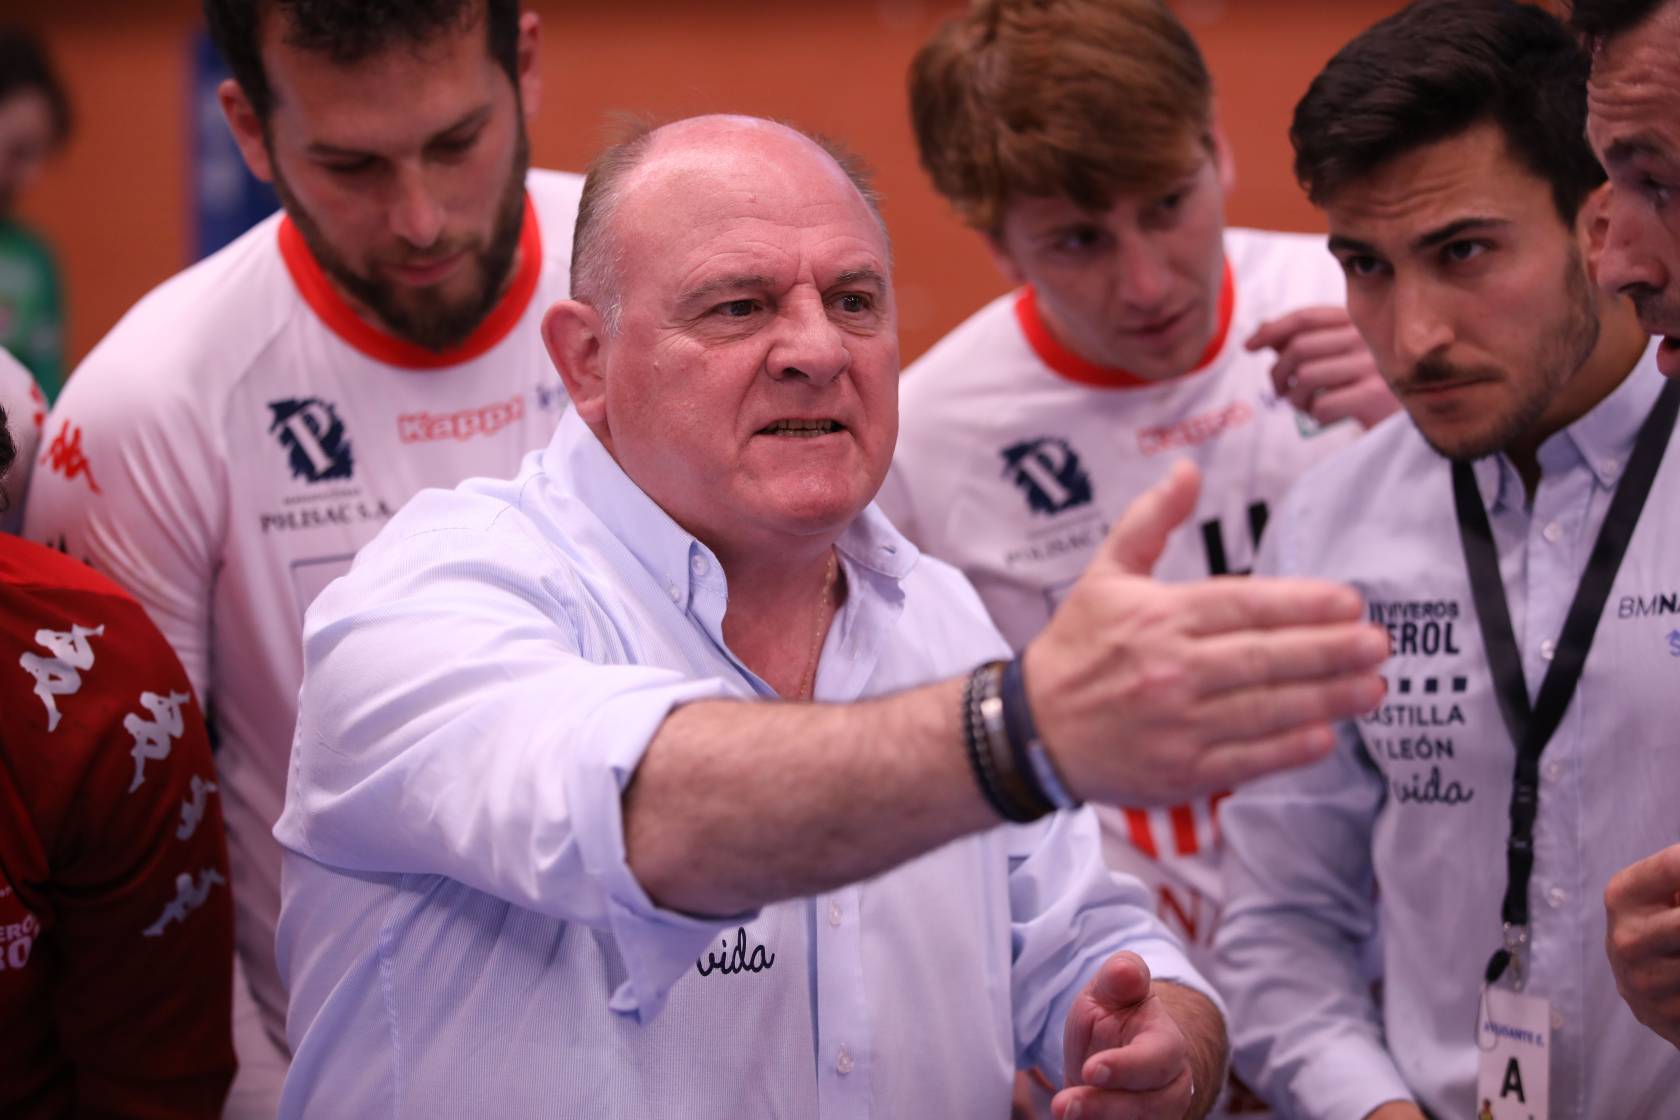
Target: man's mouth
x=802 y=429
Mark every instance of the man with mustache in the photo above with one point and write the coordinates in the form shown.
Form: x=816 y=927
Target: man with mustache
x=249 y=425
x=1496 y=530
x=1633 y=122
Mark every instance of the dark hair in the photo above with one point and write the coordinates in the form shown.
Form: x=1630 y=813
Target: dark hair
x=1437 y=68
x=1082 y=99
x=8 y=450
x=24 y=66
x=1599 y=20
x=348 y=31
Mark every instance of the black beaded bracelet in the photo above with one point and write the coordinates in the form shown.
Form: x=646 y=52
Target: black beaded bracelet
x=979 y=755
x=1009 y=788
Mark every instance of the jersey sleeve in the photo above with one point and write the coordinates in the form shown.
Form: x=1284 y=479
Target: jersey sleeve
x=139 y=883
x=129 y=480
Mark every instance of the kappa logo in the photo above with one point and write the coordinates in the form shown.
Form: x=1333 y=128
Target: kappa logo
x=313 y=437
x=426 y=427
x=1049 y=472
x=64 y=456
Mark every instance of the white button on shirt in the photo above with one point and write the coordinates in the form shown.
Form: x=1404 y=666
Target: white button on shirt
x=1417 y=795
x=461 y=933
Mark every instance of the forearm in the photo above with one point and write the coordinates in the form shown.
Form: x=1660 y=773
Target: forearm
x=735 y=805
x=1205 y=1042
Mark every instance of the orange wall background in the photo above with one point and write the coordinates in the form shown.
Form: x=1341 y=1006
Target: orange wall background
x=116 y=202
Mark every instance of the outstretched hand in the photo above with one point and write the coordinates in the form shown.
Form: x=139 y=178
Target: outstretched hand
x=1150 y=693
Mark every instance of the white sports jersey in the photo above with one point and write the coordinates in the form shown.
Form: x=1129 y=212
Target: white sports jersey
x=1014 y=457
x=237 y=437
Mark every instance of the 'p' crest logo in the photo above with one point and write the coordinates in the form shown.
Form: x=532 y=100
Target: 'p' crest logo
x=1049 y=473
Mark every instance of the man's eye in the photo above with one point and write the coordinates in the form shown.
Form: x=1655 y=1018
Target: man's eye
x=1361 y=266
x=737 y=308
x=349 y=167
x=1460 y=252
x=854 y=303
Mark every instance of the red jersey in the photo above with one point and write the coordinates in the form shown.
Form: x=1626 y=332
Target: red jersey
x=116 y=924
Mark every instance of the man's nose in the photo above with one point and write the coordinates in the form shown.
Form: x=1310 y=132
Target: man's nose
x=416 y=215
x=808 y=343
x=1421 y=328
x=1144 y=278
x=1626 y=266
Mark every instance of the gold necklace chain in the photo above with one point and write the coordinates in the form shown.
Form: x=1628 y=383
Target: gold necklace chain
x=807 y=687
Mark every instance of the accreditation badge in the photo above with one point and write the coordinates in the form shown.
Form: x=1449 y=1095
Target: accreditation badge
x=1513 y=1073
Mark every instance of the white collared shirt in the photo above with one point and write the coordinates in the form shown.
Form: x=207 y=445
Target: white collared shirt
x=1404 y=827
x=461 y=932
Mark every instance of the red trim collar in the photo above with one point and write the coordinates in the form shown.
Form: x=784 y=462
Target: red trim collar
x=381 y=346
x=1067 y=364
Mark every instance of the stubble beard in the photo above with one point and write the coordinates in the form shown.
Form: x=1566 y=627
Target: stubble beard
x=1562 y=352
x=426 y=317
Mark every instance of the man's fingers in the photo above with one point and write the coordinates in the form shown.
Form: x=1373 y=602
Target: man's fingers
x=1277 y=332
x=1249 y=658
x=1121 y=983
x=1252 y=603
x=1314 y=357
x=1229 y=765
x=1653 y=881
x=1087 y=1102
x=1273 y=709
x=1152 y=1060
x=1136 y=541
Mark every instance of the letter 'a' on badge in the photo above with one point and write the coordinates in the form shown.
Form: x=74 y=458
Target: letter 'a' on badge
x=1513 y=1067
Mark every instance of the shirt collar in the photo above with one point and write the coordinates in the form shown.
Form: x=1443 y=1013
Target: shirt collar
x=1602 y=440
x=674 y=557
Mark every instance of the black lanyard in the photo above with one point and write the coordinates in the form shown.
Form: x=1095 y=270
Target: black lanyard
x=1532 y=729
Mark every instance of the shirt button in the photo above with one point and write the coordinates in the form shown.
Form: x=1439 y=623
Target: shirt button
x=1554 y=770
x=697 y=564
x=1548 y=648
x=1557 y=1019
x=834 y=914
x=843 y=1063
x=1556 y=897
x=676 y=593
x=1611 y=465
x=1553 y=532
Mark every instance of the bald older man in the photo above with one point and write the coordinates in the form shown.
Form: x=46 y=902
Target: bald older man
x=621 y=788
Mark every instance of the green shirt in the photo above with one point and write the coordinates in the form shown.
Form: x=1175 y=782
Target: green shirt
x=31 y=311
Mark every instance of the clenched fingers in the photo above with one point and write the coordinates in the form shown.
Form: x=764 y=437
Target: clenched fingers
x=1087 y=1102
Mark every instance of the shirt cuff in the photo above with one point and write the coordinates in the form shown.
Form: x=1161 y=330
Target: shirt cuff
x=1350 y=1080
x=656 y=944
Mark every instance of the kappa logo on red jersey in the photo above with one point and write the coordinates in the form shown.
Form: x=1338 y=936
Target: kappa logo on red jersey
x=65 y=456
x=1195 y=430
x=429 y=427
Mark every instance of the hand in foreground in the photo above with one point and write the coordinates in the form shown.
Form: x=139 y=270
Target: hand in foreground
x=1125 y=1053
x=1643 y=939
x=1149 y=693
x=1396 y=1110
x=1324 y=367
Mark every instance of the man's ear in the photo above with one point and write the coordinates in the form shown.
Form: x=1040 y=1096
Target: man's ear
x=247 y=129
x=529 y=64
x=575 y=336
x=1592 y=226
x=1223 y=161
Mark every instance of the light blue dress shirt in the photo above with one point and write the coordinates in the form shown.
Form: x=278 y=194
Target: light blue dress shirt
x=460 y=932
x=1404 y=826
